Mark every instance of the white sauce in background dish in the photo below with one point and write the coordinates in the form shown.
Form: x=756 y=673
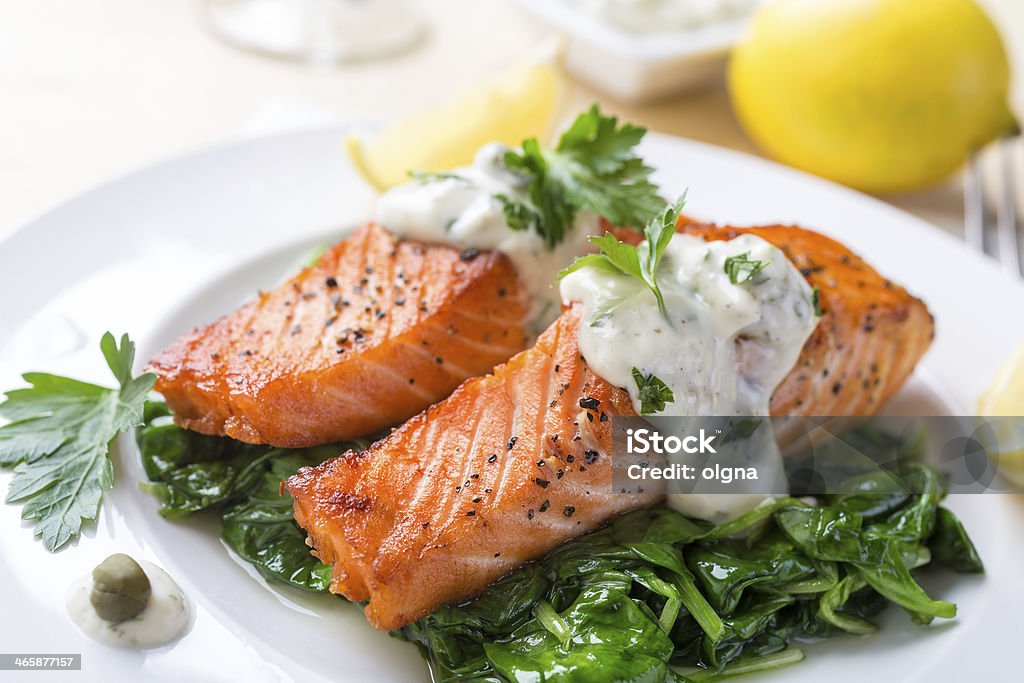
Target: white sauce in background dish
x=724 y=348
x=460 y=208
x=163 y=619
x=664 y=16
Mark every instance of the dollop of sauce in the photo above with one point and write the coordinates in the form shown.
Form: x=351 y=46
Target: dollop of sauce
x=664 y=16
x=461 y=208
x=722 y=349
x=164 y=618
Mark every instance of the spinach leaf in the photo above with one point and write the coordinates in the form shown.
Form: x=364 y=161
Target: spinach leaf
x=262 y=530
x=190 y=473
x=952 y=547
x=600 y=626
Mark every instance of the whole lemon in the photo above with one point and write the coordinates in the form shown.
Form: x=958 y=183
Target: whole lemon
x=881 y=95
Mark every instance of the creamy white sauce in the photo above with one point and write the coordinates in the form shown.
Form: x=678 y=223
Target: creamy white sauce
x=723 y=348
x=664 y=16
x=460 y=208
x=163 y=619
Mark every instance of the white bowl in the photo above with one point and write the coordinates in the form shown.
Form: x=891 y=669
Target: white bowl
x=638 y=67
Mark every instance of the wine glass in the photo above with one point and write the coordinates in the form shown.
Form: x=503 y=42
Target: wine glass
x=316 y=31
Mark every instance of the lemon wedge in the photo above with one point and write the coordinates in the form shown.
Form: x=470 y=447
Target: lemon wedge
x=520 y=103
x=1005 y=397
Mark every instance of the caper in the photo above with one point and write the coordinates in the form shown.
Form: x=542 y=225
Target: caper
x=120 y=589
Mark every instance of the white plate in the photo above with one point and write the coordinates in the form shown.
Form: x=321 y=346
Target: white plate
x=184 y=241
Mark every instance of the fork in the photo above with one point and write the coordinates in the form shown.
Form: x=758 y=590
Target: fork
x=1006 y=246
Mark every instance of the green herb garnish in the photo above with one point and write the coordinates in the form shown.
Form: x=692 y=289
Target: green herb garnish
x=654 y=393
x=816 y=301
x=741 y=268
x=519 y=216
x=58 y=442
x=593 y=167
x=640 y=261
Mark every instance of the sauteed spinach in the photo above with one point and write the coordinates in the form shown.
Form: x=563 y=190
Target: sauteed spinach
x=654 y=596
x=656 y=589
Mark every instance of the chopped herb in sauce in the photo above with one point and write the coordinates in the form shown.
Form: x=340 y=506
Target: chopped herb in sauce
x=741 y=268
x=654 y=394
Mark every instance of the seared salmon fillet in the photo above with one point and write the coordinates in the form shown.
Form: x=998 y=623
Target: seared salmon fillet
x=508 y=467
x=513 y=464
x=377 y=330
x=871 y=335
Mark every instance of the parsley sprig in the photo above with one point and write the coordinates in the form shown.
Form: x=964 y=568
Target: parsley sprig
x=594 y=166
x=654 y=393
x=640 y=261
x=58 y=442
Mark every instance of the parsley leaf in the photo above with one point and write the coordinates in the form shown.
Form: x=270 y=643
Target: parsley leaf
x=654 y=394
x=593 y=167
x=58 y=442
x=816 y=301
x=519 y=216
x=639 y=261
x=741 y=268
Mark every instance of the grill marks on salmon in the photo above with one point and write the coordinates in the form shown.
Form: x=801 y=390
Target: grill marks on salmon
x=508 y=467
x=377 y=330
x=511 y=465
x=871 y=335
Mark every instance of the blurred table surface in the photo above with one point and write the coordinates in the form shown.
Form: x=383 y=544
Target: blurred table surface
x=90 y=90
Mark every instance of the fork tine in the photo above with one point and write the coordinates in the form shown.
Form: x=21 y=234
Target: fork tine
x=1006 y=216
x=974 y=205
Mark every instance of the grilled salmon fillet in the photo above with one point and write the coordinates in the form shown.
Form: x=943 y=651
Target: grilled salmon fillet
x=514 y=463
x=506 y=468
x=377 y=330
